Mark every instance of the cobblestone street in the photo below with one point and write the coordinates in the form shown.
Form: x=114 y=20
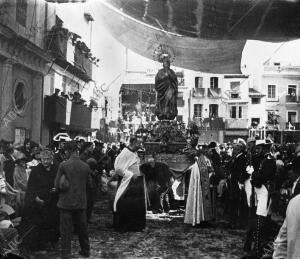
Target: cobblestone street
x=164 y=237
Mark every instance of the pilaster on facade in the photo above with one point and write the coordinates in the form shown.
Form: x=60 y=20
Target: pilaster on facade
x=37 y=107
x=6 y=129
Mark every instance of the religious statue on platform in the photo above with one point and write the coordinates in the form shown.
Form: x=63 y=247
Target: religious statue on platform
x=166 y=86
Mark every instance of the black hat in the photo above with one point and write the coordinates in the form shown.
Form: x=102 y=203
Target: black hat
x=71 y=146
x=98 y=143
x=212 y=145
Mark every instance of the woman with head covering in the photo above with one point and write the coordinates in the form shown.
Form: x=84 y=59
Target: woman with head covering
x=40 y=211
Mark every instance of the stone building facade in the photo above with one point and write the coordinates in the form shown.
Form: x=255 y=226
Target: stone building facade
x=23 y=64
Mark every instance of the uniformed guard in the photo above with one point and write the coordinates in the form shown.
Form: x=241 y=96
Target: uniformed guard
x=262 y=179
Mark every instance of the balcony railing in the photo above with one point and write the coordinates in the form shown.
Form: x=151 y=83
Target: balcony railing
x=292 y=126
x=57 y=41
x=55 y=108
x=60 y=110
x=236 y=123
x=199 y=92
x=81 y=116
x=214 y=92
x=82 y=62
x=210 y=123
x=291 y=99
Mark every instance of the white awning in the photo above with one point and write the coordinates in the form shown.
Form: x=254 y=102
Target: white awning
x=236 y=102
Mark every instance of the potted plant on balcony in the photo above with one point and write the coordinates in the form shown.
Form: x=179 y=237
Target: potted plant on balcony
x=93 y=104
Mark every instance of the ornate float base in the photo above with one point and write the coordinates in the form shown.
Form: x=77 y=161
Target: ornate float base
x=166 y=137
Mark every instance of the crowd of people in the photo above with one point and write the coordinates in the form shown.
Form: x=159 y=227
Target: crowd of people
x=250 y=184
x=45 y=191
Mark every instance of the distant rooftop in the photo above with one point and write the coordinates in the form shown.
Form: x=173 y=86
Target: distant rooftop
x=236 y=76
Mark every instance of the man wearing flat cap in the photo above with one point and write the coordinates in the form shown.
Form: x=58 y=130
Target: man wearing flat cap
x=72 y=202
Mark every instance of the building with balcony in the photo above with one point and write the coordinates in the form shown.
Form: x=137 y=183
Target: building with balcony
x=70 y=95
x=280 y=82
x=205 y=95
x=236 y=99
x=23 y=64
x=226 y=105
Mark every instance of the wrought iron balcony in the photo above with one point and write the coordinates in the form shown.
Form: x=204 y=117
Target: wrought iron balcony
x=214 y=92
x=236 y=123
x=291 y=99
x=210 y=123
x=292 y=126
x=55 y=108
x=82 y=62
x=81 y=116
x=57 y=41
x=199 y=92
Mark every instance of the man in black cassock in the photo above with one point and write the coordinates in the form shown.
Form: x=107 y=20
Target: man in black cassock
x=40 y=222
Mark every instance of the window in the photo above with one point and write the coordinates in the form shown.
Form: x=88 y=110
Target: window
x=213 y=110
x=19 y=96
x=180 y=78
x=198 y=82
x=75 y=87
x=236 y=112
x=271 y=91
x=21 y=12
x=51 y=84
x=214 y=82
x=255 y=100
x=292 y=116
x=20 y=134
x=235 y=86
x=240 y=112
x=292 y=90
x=179 y=118
x=233 y=112
x=64 y=84
x=198 y=110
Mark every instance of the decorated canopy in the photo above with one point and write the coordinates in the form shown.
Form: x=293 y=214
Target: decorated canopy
x=204 y=35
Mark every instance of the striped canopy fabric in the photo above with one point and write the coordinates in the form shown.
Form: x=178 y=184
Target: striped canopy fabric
x=268 y=20
x=206 y=55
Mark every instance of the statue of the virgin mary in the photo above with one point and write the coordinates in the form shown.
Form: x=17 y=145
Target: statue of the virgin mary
x=166 y=86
